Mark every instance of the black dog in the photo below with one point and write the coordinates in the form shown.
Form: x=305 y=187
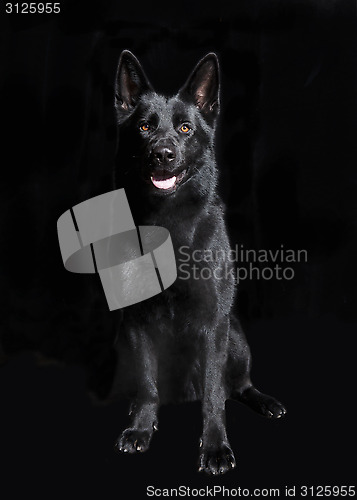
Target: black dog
x=184 y=344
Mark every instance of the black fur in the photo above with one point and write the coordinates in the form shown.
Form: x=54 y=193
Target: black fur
x=184 y=344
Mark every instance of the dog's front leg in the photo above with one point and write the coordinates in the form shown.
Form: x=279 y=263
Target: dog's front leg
x=144 y=410
x=216 y=456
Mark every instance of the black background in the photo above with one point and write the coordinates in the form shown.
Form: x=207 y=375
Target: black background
x=287 y=155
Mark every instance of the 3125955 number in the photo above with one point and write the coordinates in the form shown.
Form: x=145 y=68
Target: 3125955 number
x=33 y=8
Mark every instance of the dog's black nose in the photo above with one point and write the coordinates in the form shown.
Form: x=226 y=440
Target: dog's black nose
x=163 y=154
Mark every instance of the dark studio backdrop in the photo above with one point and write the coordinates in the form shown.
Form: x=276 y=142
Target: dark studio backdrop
x=287 y=154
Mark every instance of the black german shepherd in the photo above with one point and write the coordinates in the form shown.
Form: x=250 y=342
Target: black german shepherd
x=184 y=344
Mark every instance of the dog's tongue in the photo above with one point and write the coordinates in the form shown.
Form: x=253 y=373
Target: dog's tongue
x=165 y=183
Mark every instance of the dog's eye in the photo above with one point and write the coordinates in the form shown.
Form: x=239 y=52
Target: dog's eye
x=185 y=128
x=144 y=127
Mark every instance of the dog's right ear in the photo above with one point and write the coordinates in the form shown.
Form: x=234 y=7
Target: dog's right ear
x=202 y=86
x=131 y=82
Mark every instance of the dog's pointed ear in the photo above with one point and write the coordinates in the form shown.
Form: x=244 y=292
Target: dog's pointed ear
x=202 y=86
x=131 y=82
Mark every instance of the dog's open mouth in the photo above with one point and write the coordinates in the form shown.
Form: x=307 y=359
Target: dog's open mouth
x=165 y=183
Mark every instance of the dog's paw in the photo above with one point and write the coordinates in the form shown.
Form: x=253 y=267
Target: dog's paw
x=133 y=441
x=271 y=407
x=262 y=403
x=216 y=459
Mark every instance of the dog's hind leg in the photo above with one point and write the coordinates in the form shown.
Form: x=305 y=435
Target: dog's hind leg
x=144 y=410
x=240 y=387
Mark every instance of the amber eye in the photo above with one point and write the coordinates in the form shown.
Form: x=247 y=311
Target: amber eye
x=144 y=127
x=185 y=129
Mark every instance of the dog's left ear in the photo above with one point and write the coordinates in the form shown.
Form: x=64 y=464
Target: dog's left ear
x=131 y=82
x=202 y=86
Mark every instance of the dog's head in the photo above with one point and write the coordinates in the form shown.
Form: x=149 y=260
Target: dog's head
x=165 y=142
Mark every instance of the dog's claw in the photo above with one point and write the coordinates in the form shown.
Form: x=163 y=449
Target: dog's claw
x=133 y=440
x=262 y=403
x=216 y=460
